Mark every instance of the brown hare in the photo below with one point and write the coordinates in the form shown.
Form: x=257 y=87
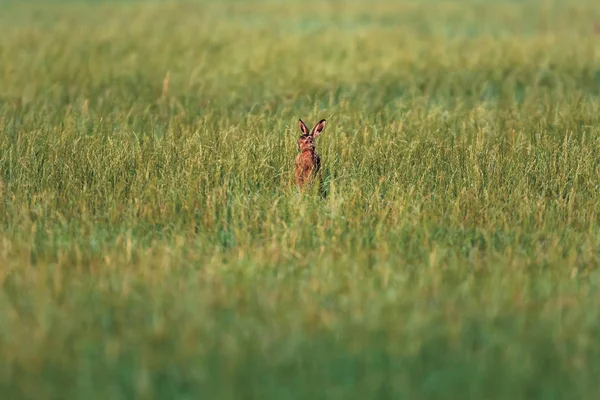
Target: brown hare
x=308 y=161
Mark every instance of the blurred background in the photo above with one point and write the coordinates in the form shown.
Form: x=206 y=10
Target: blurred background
x=153 y=246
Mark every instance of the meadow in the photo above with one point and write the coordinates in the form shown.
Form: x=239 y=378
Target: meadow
x=153 y=245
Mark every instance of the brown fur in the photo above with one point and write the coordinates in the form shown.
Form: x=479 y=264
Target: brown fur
x=308 y=162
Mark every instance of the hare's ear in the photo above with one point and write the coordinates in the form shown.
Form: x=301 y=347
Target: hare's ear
x=316 y=131
x=303 y=127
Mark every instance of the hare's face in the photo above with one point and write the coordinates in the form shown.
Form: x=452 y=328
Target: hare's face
x=306 y=143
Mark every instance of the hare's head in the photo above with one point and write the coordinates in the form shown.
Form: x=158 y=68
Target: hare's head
x=306 y=141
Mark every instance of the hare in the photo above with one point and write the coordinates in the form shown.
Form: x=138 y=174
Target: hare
x=308 y=161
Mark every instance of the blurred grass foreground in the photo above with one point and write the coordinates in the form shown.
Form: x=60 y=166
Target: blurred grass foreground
x=153 y=245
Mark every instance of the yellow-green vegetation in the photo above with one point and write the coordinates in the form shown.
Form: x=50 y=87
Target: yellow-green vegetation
x=153 y=245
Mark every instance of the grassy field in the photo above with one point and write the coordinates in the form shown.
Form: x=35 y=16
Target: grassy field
x=153 y=246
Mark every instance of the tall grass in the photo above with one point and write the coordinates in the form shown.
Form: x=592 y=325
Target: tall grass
x=153 y=245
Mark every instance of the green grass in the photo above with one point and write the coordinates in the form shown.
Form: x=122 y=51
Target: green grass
x=153 y=246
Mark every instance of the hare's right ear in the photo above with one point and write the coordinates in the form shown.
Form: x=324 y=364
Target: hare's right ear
x=303 y=127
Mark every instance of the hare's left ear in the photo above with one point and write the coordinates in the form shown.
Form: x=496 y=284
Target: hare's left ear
x=316 y=131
